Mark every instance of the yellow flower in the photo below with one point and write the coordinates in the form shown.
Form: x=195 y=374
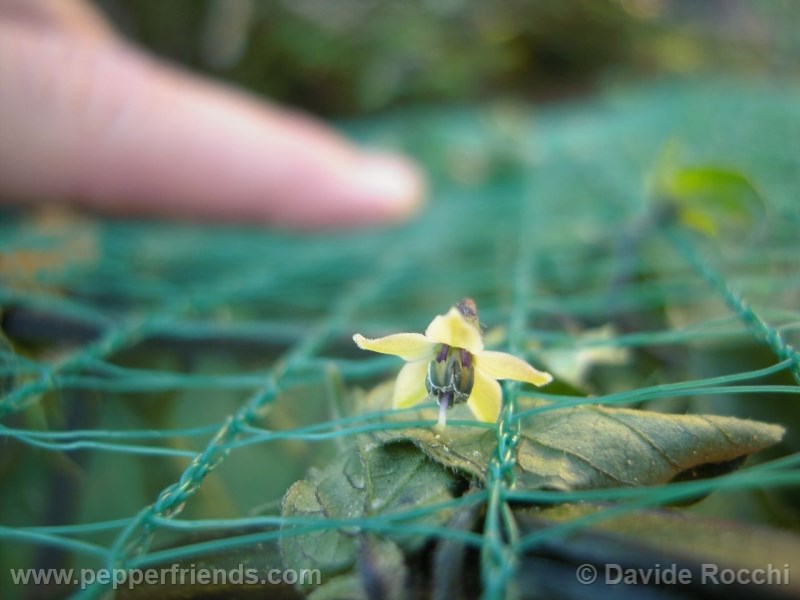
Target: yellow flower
x=449 y=364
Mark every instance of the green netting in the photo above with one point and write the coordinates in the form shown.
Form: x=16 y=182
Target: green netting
x=164 y=384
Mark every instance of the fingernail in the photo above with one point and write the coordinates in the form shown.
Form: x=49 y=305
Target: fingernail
x=391 y=182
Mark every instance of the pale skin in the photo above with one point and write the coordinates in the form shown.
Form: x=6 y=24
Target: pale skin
x=88 y=118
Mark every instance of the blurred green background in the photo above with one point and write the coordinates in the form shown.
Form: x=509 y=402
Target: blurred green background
x=193 y=322
x=351 y=57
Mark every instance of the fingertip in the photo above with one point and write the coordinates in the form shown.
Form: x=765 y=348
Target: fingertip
x=389 y=186
x=122 y=133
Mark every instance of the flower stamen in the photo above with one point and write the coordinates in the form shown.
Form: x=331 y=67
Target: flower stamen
x=443 y=351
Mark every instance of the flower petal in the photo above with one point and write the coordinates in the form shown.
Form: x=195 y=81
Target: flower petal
x=454 y=330
x=486 y=398
x=409 y=389
x=500 y=365
x=408 y=346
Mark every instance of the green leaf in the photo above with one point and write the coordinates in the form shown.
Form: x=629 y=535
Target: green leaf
x=710 y=199
x=589 y=447
x=366 y=481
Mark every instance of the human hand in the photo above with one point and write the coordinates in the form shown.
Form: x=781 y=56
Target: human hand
x=86 y=117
